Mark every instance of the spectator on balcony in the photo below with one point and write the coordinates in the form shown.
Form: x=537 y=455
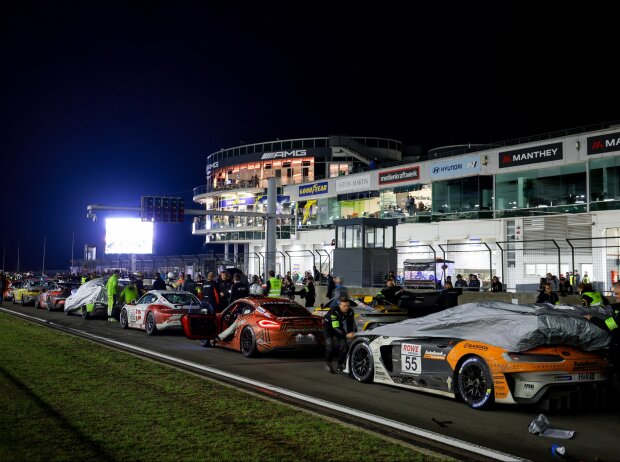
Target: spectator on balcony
x=460 y=282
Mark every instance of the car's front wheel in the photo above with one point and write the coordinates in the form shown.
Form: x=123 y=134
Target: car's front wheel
x=361 y=363
x=85 y=313
x=123 y=319
x=248 y=343
x=475 y=384
x=151 y=327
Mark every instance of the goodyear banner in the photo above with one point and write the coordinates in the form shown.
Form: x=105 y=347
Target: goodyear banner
x=238 y=201
x=314 y=189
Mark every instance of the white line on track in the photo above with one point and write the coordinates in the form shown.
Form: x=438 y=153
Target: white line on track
x=420 y=432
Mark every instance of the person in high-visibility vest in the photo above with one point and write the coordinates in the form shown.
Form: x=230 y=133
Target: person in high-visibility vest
x=274 y=286
x=612 y=325
x=129 y=294
x=590 y=297
x=112 y=289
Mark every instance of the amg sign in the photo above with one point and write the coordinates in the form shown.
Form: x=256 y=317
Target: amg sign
x=533 y=155
x=603 y=143
x=284 y=154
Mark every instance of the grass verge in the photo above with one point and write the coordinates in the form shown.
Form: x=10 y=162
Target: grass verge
x=64 y=398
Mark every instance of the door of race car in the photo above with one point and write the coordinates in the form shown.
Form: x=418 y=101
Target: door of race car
x=198 y=326
x=136 y=313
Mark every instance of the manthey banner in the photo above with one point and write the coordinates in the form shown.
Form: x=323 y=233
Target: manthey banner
x=601 y=144
x=531 y=155
x=455 y=167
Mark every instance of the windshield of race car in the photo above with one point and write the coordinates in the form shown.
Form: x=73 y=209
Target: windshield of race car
x=181 y=299
x=286 y=310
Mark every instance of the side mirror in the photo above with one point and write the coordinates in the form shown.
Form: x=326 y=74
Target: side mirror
x=133 y=302
x=368 y=299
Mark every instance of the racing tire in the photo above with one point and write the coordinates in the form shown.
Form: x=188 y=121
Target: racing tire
x=247 y=343
x=49 y=305
x=362 y=363
x=150 y=326
x=23 y=301
x=85 y=314
x=475 y=383
x=14 y=301
x=123 y=321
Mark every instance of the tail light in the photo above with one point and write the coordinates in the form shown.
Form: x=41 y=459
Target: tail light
x=268 y=324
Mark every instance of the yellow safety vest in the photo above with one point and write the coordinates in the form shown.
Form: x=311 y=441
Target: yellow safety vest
x=275 y=287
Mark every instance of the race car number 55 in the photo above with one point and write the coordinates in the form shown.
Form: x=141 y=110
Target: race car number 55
x=410 y=359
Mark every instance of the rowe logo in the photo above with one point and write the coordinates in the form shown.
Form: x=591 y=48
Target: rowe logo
x=604 y=143
x=533 y=155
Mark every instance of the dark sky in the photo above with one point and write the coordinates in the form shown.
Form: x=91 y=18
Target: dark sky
x=104 y=102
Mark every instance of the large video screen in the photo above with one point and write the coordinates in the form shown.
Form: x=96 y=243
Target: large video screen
x=128 y=235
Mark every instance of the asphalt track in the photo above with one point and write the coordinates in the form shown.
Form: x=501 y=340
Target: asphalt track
x=503 y=428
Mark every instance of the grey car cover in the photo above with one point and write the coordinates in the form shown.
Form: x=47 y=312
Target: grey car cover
x=513 y=327
x=90 y=292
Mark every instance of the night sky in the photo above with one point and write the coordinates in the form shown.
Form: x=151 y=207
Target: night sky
x=104 y=102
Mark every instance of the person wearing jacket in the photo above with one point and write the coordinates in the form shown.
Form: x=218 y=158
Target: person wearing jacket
x=112 y=289
x=340 y=291
x=548 y=295
x=239 y=289
x=158 y=283
x=391 y=292
x=496 y=285
x=308 y=293
x=612 y=325
x=590 y=297
x=225 y=285
x=331 y=286
x=189 y=285
x=338 y=326
x=256 y=288
x=460 y=282
x=211 y=292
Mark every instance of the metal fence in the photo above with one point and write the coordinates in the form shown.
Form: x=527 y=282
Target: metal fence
x=470 y=258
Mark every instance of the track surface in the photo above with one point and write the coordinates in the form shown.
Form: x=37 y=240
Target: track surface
x=504 y=428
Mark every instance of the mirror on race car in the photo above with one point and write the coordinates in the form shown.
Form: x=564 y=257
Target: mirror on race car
x=368 y=299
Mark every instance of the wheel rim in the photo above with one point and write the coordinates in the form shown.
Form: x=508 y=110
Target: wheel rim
x=361 y=361
x=246 y=340
x=473 y=383
x=149 y=323
x=123 y=318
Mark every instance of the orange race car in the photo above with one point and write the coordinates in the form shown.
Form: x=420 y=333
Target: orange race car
x=258 y=325
x=421 y=355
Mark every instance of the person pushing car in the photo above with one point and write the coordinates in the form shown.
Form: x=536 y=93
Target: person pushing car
x=338 y=327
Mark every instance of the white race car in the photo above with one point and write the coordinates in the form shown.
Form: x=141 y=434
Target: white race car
x=159 y=310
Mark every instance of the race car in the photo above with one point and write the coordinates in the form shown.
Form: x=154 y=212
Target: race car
x=54 y=296
x=370 y=312
x=8 y=291
x=28 y=292
x=260 y=325
x=482 y=372
x=158 y=310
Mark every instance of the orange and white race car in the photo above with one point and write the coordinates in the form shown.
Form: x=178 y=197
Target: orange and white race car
x=478 y=372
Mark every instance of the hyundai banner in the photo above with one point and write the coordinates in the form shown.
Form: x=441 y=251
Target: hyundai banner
x=533 y=155
x=463 y=166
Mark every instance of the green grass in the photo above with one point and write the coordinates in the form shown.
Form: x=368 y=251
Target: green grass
x=64 y=398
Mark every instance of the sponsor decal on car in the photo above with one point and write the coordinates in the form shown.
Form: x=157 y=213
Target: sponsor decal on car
x=432 y=354
x=410 y=358
x=474 y=346
x=501 y=387
x=563 y=378
x=584 y=365
x=589 y=376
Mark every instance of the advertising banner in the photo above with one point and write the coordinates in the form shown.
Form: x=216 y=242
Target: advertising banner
x=532 y=155
x=462 y=166
x=604 y=143
x=238 y=201
x=314 y=189
x=353 y=183
x=400 y=175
